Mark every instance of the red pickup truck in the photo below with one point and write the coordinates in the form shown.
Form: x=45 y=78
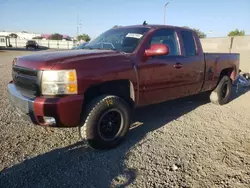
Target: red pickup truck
x=97 y=87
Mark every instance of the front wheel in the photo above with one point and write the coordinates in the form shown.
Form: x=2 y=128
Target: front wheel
x=107 y=122
x=222 y=93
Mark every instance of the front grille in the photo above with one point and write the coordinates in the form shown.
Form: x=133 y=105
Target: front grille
x=26 y=81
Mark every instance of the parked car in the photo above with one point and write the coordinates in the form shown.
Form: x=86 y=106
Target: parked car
x=81 y=46
x=31 y=44
x=124 y=68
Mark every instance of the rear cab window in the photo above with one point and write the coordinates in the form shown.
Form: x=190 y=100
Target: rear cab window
x=190 y=48
x=167 y=37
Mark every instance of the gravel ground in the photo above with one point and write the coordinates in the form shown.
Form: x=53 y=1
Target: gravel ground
x=184 y=143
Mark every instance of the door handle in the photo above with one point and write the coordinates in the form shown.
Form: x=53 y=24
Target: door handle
x=178 y=65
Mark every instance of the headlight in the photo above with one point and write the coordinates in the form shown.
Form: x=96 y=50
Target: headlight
x=59 y=82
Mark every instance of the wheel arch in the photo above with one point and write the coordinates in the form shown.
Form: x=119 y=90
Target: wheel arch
x=122 y=88
x=229 y=71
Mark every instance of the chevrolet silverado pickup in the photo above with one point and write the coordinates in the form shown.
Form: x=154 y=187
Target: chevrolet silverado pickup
x=96 y=88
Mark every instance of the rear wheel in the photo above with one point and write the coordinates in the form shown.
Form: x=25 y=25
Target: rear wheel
x=107 y=122
x=222 y=93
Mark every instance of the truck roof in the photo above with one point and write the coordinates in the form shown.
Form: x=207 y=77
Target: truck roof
x=155 y=26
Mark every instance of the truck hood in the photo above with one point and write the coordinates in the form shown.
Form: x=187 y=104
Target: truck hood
x=46 y=60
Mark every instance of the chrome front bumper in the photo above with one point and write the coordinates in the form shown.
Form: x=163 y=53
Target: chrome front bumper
x=24 y=106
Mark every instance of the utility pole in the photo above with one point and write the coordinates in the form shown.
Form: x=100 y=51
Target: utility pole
x=80 y=27
x=77 y=25
x=165 y=7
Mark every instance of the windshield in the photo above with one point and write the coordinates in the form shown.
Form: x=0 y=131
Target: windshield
x=120 y=39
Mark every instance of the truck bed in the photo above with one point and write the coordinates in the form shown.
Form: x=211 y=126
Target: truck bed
x=231 y=56
x=215 y=63
x=219 y=60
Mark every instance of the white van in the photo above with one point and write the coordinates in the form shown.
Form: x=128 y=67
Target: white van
x=4 y=41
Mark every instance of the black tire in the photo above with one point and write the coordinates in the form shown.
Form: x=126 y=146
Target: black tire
x=222 y=93
x=95 y=130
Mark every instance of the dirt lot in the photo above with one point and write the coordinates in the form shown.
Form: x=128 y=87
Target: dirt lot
x=185 y=143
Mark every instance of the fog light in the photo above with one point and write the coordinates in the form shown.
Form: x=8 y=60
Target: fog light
x=49 y=120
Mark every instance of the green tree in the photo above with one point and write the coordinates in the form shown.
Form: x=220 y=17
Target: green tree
x=37 y=37
x=199 y=32
x=236 y=32
x=68 y=38
x=13 y=35
x=56 y=36
x=84 y=37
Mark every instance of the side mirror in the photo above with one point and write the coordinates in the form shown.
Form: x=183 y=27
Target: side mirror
x=157 y=50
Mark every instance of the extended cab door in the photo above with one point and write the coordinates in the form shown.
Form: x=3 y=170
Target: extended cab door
x=178 y=74
x=192 y=62
x=160 y=77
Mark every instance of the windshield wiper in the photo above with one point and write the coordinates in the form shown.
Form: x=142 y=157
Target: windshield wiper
x=116 y=50
x=91 y=48
x=88 y=47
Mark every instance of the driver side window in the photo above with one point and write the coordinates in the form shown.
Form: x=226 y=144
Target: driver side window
x=167 y=37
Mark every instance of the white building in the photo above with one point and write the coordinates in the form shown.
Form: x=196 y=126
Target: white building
x=20 y=35
x=4 y=41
